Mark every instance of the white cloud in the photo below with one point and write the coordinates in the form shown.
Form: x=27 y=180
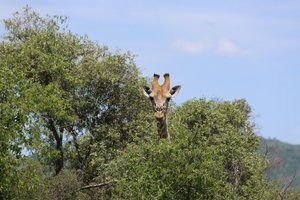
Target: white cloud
x=228 y=47
x=192 y=46
x=223 y=46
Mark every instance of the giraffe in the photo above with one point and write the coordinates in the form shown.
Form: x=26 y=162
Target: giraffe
x=160 y=95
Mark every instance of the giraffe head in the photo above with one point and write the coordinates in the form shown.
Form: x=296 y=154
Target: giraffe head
x=160 y=95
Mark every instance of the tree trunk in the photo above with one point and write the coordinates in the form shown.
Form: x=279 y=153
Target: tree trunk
x=59 y=161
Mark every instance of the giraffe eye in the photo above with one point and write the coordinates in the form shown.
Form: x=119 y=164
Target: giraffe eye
x=151 y=98
x=169 y=98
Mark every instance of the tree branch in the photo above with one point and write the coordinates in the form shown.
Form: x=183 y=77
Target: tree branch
x=99 y=185
x=283 y=191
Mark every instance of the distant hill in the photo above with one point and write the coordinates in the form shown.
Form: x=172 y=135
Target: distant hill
x=286 y=160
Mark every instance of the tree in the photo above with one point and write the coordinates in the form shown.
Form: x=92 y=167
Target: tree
x=213 y=155
x=70 y=102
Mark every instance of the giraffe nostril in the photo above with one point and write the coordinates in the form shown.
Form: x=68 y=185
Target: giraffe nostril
x=159 y=109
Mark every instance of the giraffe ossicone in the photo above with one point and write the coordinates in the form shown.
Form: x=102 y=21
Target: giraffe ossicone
x=160 y=95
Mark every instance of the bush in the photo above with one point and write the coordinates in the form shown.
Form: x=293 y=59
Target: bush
x=63 y=186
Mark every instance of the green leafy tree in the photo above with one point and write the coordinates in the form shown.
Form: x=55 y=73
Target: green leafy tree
x=213 y=155
x=70 y=102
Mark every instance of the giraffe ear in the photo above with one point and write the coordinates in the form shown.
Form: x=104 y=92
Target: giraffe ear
x=146 y=91
x=175 y=90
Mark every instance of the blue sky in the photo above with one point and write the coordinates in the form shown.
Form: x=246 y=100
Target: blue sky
x=225 y=50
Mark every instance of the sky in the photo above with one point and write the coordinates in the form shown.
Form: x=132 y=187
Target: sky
x=222 y=50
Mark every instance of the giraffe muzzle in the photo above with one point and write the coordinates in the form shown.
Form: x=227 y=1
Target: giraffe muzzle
x=159 y=112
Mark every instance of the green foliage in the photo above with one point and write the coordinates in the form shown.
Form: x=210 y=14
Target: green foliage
x=212 y=156
x=70 y=102
x=63 y=186
x=77 y=112
x=30 y=183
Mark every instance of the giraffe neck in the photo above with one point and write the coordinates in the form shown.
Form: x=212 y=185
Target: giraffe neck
x=162 y=128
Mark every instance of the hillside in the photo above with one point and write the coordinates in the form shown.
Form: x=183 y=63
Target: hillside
x=285 y=158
